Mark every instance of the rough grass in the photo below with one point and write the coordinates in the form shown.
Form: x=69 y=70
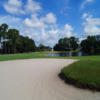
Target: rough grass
x=84 y=73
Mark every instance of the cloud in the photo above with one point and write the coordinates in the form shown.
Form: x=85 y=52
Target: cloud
x=17 y=7
x=13 y=6
x=34 y=22
x=67 y=31
x=45 y=30
x=10 y=20
x=50 y=18
x=42 y=29
x=42 y=22
x=84 y=15
x=86 y=2
x=32 y=6
x=91 y=25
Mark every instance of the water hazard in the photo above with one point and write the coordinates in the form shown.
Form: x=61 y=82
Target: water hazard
x=68 y=54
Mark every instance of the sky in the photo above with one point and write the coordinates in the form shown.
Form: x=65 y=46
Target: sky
x=47 y=21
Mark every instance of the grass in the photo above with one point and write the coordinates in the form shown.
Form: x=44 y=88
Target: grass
x=27 y=55
x=84 y=73
x=41 y=55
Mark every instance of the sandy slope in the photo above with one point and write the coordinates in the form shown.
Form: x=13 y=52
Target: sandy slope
x=36 y=79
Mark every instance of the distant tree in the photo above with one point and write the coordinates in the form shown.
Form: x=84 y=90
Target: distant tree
x=74 y=43
x=25 y=44
x=13 y=35
x=4 y=28
x=66 y=44
x=0 y=39
x=89 y=44
x=42 y=47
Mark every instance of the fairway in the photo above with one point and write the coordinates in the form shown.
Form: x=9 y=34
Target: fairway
x=37 y=79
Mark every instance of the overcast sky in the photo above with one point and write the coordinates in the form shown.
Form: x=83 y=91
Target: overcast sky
x=46 y=21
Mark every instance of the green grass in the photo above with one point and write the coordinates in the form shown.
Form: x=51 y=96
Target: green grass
x=85 y=72
x=41 y=55
x=27 y=55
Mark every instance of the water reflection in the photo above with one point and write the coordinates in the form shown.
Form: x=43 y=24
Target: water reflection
x=68 y=54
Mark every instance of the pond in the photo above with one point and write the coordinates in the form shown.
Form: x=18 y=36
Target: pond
x=68 y=54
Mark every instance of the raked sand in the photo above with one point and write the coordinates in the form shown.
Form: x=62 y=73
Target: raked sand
x=37 y=79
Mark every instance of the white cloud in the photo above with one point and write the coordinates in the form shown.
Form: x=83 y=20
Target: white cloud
x=17 y=7
x=84 y=15
x=10 y=20
x=91 y=25
x=50 y=18
x=46 y=32
x=43 y=22
x=86 y=2
x=42 y=30
x=34 y=22
x=68 y=31
x=17 y=3
x=32 y=6
x=13 y=6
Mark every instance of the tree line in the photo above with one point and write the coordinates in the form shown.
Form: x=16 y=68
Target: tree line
x=89 y=45
x=12 y=42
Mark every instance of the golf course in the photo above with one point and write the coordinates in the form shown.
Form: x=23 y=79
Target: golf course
x=34 y=76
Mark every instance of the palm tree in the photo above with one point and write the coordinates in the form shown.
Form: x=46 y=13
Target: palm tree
x=4 y=28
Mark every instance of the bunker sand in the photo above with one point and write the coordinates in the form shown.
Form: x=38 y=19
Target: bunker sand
x=37 y=79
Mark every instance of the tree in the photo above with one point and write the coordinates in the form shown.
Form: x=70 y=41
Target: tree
x=74 y=43
x=89 y=44
x=9 y=37
x=63 y=45
x=25 y=44
x=66 y=44
x=0 y=39
x=15 y=43
x=42 y=47
x=12 y=36
x=4 y=28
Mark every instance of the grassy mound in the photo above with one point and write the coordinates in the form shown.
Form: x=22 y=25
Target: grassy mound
x=83 y=74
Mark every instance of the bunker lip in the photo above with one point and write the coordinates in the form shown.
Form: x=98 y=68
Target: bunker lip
x=77 y=84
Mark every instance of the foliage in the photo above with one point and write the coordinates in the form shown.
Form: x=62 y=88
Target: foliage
x=3 y=32
x=91 y=44
x=41 y=47
x=13 y=42
x=66 y=44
